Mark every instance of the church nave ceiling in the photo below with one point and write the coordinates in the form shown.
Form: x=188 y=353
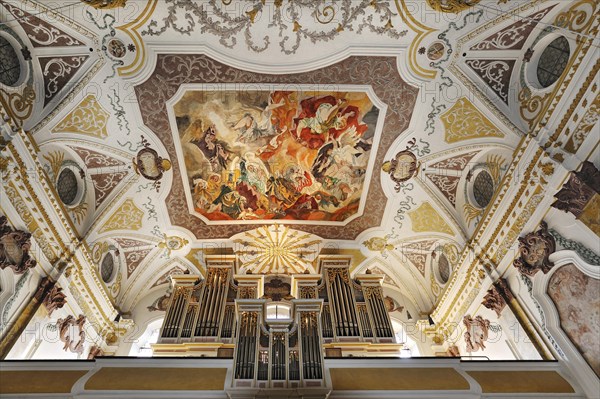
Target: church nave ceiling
x=166 y=137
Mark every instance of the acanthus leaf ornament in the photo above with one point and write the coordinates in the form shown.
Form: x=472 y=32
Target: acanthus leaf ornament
x=54 y=299
x=477 y=332
x=534 y=249
x=14 y=248
x=105 y=4
x=64 y=327
x=451 y=6
x=577 y=192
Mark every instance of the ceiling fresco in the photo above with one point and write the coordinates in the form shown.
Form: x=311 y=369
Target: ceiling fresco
x=275 y=130
x=298 y=155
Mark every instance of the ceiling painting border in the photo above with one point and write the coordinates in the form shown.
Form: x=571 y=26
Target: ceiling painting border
x=172 y=70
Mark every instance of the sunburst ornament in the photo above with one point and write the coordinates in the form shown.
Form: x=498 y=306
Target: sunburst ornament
x=277 y=249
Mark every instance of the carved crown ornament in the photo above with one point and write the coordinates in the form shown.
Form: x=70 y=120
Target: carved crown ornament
x=14 y=248
x=534 y=250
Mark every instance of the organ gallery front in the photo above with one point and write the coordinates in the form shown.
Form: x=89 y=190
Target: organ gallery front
x=277 y=328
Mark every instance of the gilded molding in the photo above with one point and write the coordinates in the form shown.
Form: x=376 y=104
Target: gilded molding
x=451 y=6
x=425 y=219
x=463 y=121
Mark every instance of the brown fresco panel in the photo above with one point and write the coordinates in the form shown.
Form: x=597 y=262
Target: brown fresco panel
x=40 y=32
x=513 y=36
x=174 y=70
x=105 y=183
x=94 y=159
x=58 y=72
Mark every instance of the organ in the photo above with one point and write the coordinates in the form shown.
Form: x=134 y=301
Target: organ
x=277 y=328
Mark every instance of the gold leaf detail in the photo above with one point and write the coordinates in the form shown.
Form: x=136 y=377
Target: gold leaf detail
x=87 y=118
x=425 y=218
x=127 y=217
x=471 y=212
x=55 y=159
x=465 y=122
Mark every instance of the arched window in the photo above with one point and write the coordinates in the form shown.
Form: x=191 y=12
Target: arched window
x=483 y=188
x=10 y=66
x=67 y=186
x=107 y=268
x=553 y=61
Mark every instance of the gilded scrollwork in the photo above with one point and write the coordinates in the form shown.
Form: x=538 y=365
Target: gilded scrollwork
x=89 y=117
x=333 y=272
x=105 y=4
x=465 y=122
x=451 y=6
x=308 y=292
x=246 y=292
x=579 y=17
x=426 y=219
x=128 y=216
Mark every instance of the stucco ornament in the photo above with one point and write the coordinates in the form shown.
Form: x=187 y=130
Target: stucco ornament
x=65 y=328
x=477 y=332
x=105 y=4
x=14 y=248
x=451 y=6
x=534 y=249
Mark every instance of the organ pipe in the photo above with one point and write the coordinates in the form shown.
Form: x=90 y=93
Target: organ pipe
x=341 y=300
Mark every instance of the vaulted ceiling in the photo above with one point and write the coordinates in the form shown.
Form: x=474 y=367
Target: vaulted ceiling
x=173 y=130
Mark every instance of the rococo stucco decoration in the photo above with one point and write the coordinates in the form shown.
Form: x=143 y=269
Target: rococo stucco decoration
x=497 y=297
x=211 y=17
x=534 y=249
x=578 y=190
x=149 y=164
x=66 y=327
x=14 y=248
x=477 y=332
x=105 y=4
x=378 y=72
x=451 y=6
x=54 y=299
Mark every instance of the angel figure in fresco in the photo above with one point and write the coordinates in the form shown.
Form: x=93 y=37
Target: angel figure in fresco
x=213 y=149
x=251 y=127
x=324 y=119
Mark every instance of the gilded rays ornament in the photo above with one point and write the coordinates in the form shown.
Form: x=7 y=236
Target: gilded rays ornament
x=276 y=249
